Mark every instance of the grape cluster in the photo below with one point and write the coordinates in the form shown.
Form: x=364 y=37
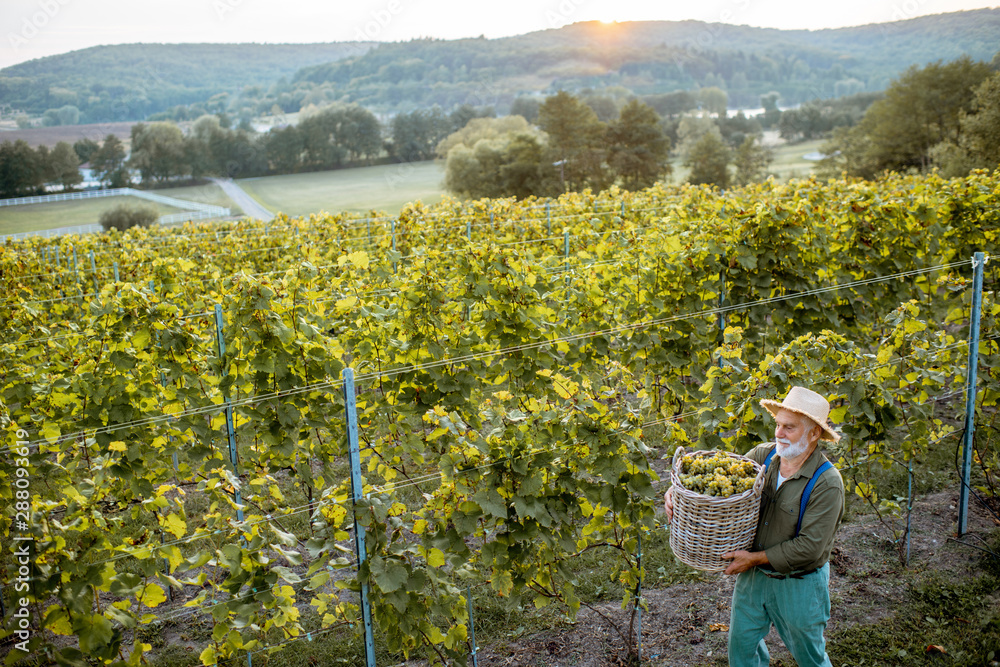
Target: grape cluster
x=717 y=475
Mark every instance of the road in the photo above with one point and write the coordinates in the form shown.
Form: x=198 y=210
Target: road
x=239 y=196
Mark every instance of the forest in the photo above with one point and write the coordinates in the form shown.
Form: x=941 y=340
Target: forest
x=157 y=82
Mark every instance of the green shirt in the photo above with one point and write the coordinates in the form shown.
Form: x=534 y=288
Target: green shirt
x=779 y=512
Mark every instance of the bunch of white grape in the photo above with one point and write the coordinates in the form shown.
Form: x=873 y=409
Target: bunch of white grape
x=717 y=475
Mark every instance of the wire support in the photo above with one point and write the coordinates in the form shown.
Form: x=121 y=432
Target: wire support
x=486 y=354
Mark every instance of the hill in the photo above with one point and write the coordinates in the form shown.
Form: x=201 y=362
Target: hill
x=130 y=81
x=658 y=56
x=133 y=82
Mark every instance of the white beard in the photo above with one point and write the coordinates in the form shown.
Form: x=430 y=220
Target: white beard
x=789 y=450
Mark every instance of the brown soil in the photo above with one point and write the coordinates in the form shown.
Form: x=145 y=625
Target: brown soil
x=50 y=136
x=685 y=625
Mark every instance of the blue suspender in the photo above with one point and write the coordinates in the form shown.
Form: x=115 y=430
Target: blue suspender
x=808 y=490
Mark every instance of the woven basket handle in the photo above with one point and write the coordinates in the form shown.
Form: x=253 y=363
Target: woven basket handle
x=678 y=454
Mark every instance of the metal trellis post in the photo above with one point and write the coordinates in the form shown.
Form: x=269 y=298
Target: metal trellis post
x=638 y=602
x=163 y=381
x=230 y=430
x=472 y=629
x=93 y=271
x=116 y=272
x=978 y=260
x=722 y=303
x=566 y=254
x=394 y=243
x=357 y=489
x=548 y=216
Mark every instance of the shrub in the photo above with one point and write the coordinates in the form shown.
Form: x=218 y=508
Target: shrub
x=125 y=216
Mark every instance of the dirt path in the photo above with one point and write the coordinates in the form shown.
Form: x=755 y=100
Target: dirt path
x=248 y=204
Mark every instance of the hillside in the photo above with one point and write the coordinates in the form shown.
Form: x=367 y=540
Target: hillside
x=132 y=82
x=658 y=56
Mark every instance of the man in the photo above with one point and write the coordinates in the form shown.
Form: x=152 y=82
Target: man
x=784 y=578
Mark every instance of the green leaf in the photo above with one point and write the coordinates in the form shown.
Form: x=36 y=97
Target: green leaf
x=389 y=575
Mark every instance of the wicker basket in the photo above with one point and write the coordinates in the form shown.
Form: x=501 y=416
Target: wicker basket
x=705 y=527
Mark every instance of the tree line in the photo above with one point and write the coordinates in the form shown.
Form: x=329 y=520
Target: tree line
x=942 y=116
x=546 y=146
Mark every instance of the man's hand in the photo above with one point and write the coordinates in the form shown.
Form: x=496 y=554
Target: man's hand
x=744 y=560
x=668 y=504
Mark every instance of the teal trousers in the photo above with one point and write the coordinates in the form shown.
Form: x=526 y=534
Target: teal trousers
x=798 y=608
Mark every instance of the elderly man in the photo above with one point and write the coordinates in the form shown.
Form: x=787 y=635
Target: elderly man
x=784 y=579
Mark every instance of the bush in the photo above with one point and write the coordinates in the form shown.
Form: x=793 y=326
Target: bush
x=126 y=216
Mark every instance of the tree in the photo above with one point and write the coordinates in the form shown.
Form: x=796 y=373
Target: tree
x=921 y=109
x=108 y=163
x=20 y=171
x=981 y=129
x=65 y=115
x=85 y=149
x=638 y=148
x=415 y=135
x=499 y=166
x=461 y=116
x=321 y=149
x=284 y=148
x=806 y=122
x=714 y=100
x=475 y=171
x=602 y=105
x=526 y=107
x=672 y=104
x=708 y=160
x=64 y=166
x=772 y=114
x=158 y=151
x=575 y=142
x=337 y=132
x=126 y=216
x=235 y=153
x=44 y=163
x=751 y=161
x=522 y=173
x=482 y=128
x=691 y=129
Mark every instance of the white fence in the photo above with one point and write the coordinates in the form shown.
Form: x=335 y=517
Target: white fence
x=192 y=210
x=66 y=196
x=46 y=233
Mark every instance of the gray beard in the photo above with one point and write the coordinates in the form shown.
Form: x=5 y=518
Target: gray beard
x=789 y=450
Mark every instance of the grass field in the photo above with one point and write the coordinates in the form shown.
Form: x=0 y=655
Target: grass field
x=210 y=193
x=788 y=162
x=37 y=217
x=384 y=188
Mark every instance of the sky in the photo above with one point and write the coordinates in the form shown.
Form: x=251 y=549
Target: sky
x=37 y=28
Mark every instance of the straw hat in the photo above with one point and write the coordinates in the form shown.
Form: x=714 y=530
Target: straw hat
x=805 y=402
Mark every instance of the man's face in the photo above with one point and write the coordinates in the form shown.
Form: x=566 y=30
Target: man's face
x=794 y=433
